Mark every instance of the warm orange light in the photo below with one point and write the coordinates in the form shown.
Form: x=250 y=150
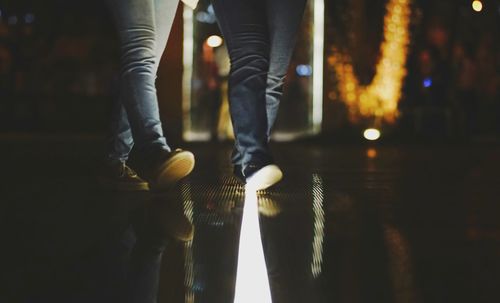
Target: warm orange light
x=477 y=5
x=380 y=98
x=371 y=153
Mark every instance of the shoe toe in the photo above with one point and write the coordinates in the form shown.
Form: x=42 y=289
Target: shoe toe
x=265 y=177
x=177 y=166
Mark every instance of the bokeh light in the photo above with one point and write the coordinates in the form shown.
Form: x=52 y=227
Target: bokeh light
x=380 y=98
x=214 y=41
x=477 y=5
x=371 y=153
x=372 y=134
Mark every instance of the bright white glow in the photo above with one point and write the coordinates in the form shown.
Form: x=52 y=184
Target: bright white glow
x=188 y=69
x=252 y=281
x=319 y=41
x=214 y=41
x=477 y=6
x=319 y=226
x=372 y=134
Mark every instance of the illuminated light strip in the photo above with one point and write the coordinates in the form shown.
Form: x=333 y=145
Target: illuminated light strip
x=319 y=41
x=188 y=205
x=252 y=281
x=380 y=98
x=319 y=226
x=187 y=59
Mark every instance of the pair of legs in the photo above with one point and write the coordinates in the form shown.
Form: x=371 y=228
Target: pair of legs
x=143 y=27
x=260 y=36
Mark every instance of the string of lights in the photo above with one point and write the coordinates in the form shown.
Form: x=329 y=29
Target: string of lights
x=380 y=98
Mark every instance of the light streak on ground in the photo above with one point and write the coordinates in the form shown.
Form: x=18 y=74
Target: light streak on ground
x=319 y=226
x=252 y=281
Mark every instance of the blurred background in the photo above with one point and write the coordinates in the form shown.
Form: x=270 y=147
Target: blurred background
x=413 y=70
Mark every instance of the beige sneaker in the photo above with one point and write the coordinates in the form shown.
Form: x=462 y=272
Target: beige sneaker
x=169 y=169
x=264 y=177
x=119 y=176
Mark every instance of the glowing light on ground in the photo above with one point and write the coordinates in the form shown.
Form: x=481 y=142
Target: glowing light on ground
x=380 y=98
x=477 y=6
x=252 y=281
x=319 y=226
x=372 y=134
x=371 y=153
x=214 y=41
x=188 y=205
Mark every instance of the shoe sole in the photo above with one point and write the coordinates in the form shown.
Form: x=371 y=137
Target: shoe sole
x=118 y=186
x=265 y=177
x=174 y=169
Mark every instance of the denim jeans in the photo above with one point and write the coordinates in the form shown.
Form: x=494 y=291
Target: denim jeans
x=260 y=36
x=143 y=27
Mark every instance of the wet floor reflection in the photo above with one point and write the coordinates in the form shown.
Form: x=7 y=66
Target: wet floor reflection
x=404 y=225
x=125 y=264
x=320 y=244
x=210 y=259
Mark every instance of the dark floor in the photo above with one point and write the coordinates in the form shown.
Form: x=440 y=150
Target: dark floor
x=393 y=224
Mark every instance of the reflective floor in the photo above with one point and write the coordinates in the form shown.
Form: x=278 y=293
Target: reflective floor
x=409 y=223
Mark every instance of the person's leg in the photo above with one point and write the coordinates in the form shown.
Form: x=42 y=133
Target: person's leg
x=143 y=27
x=244 y=26
x=120 y=141
x=136 y=24
x=284 y=19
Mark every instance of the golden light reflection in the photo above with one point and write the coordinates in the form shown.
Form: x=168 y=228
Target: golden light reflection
x=268 y=206
x=380 y=98
x=400 y=265
x=371 y=153
x=188 y=204
x=252 y=281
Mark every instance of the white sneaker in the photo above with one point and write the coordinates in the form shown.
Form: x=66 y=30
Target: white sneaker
x=265 y=177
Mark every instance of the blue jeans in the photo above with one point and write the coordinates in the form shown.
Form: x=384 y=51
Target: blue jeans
x=143 y=27
x=260 y=37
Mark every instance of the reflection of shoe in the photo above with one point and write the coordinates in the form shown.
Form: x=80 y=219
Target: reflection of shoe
x=264 y=177
x=169 y=168
x=170 y=220
x=118 y=176
x=268 y=206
